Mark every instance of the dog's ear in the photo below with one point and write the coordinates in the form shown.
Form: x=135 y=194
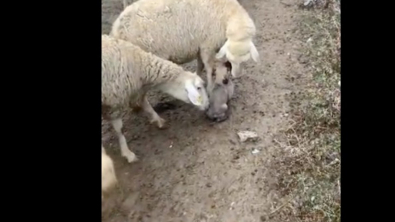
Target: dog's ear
x=228 y=65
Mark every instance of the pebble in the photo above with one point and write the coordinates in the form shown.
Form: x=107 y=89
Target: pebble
x=247 y=136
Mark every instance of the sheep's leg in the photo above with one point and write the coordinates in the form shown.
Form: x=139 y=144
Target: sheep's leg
x=208 y=65
x=200 y=66
x=155 y=118
x=129 y=155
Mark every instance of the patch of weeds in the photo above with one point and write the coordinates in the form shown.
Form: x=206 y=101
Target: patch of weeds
x=308 y=160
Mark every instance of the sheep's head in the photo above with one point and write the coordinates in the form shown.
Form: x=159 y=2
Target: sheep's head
x=237 y=52
x=189 y=88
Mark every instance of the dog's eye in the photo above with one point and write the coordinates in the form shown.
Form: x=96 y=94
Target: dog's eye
x=199 y=88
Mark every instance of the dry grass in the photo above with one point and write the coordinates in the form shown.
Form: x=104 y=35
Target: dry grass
x=307 y=161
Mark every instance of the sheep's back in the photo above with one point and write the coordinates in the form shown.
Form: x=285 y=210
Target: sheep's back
x=120 y=78
x=171 y=29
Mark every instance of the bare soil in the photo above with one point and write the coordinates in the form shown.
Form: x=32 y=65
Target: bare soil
x=198 y=171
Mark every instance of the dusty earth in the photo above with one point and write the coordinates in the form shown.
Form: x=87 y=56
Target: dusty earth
x=198 y=171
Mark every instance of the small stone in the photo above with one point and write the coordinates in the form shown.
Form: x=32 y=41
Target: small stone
x=247 y=136
x=255 y=151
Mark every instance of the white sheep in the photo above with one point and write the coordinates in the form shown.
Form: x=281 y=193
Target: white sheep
x=108 y=178
x=184 y=30
x=128 y=72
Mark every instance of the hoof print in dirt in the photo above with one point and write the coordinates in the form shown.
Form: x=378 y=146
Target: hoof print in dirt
x=248 y=136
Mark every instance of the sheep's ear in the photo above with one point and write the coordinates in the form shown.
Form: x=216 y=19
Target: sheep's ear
x=193 y=94
x=254 y=52
x=222 y=51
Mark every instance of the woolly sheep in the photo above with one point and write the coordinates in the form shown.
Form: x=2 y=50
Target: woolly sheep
x=184 y=30
x=128 y=73
x=108 y=178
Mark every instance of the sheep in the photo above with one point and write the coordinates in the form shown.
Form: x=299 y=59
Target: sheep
x=184 y=30
x=128 y=72
x=108 y=178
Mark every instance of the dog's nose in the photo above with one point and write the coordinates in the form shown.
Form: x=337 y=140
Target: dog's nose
x=220 y=118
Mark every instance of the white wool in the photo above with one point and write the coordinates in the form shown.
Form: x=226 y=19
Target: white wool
x=184 y=30
x=108 y=177
x=128 y=73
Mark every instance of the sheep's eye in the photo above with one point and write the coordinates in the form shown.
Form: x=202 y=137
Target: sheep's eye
x=199 y=88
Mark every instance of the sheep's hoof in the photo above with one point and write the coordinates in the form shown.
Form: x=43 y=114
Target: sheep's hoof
x=159 y=122
x=131 y=157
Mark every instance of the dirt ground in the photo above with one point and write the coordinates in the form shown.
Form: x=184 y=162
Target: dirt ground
x=198 y=171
